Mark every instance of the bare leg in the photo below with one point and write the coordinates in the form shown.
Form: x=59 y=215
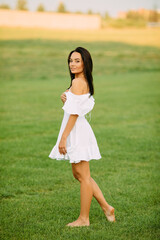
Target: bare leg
x=98 y=195
x=88 y=189
x=82 y=173
x=107 y=209
x=86 y=197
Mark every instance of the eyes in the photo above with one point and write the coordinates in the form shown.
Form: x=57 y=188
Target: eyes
x=77 y=61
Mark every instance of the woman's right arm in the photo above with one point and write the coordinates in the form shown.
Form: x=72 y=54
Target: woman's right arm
x=63 y=96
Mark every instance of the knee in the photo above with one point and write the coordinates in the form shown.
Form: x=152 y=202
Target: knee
x=76 y=176
x=81 y=178
x=81 y=173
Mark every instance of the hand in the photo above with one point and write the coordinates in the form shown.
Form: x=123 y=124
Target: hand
x=62 y=146
x=63 y=97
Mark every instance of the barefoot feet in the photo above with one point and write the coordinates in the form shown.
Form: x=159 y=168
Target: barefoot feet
x=79 y=222
x=109 y=212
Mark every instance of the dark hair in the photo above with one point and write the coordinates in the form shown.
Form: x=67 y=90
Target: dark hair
x=88 y=67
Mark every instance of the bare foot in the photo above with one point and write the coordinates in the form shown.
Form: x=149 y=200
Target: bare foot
x=109 y=212
x=79 y=222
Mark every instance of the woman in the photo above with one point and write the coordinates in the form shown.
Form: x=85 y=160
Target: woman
x=76 y=141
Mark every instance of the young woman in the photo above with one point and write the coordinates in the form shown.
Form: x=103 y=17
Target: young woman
x=76 y=141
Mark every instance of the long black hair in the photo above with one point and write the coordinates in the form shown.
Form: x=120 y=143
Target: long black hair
x=88 y=67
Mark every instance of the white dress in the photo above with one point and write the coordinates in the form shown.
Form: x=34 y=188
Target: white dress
x=81 y=143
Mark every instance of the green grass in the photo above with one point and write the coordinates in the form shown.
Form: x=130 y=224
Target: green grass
x=39 y=196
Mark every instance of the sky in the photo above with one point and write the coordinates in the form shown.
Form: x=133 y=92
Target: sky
x=101 y=6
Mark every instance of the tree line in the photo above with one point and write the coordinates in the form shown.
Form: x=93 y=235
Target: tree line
x=22 y=5
x=132 y=17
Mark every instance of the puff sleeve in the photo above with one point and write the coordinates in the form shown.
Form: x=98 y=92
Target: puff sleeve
x=78 y=104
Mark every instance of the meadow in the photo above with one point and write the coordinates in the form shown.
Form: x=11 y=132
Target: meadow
x=39 y=196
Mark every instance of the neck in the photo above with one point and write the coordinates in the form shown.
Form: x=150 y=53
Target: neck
x=79 y=75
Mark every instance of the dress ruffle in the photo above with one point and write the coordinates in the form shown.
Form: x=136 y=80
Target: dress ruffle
x=78 y=104
x=77 y=154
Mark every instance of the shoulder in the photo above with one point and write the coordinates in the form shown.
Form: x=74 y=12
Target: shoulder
x=77 y=86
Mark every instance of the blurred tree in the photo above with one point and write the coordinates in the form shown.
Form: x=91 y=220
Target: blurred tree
x=61 y=8
x=90 y=12
x=153 y=16
x=21 y=5
x=40 y=8
x=106 y=16
x=4 y=6
x=134 y=15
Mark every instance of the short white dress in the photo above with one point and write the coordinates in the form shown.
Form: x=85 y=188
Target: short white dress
x=81 y=143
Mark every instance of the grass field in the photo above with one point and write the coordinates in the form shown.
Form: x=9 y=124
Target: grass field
x=39 y=196
x=146 y=36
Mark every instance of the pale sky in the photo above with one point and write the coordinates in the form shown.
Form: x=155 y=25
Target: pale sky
x=102 y=6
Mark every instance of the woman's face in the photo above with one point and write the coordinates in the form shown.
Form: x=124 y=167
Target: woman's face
x=76 y=63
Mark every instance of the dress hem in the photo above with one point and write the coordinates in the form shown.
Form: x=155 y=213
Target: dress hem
x=87 y=160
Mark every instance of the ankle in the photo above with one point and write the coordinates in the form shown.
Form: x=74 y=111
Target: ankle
x=108 y=210
x=83 y=219
x=106 y=207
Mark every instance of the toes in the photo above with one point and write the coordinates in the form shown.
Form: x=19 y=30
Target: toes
x=69 y=224
x=76 y=224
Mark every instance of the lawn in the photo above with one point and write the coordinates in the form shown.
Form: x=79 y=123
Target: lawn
x=145 y=36
x=39 y=196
